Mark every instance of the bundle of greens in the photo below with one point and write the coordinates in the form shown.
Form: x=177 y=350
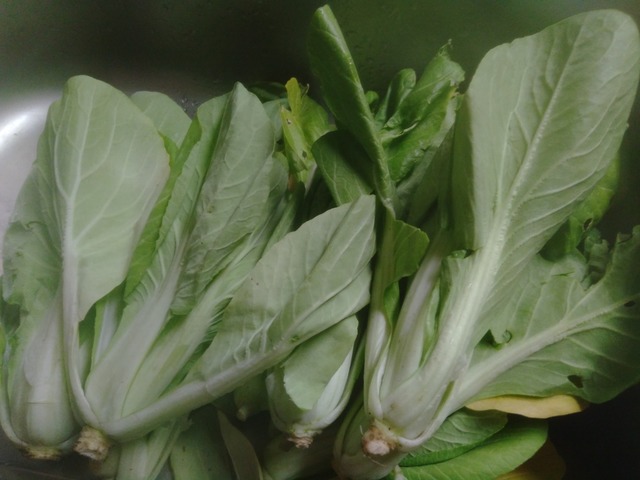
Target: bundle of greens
x=258 y=292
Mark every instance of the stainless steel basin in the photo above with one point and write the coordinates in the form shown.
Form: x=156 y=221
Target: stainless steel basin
x=193 y=49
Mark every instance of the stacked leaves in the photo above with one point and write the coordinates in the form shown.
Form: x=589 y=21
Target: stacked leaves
x=359 y=288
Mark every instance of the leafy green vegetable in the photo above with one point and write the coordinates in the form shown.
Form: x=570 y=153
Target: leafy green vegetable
x=310 y=389
x=243 y=457
x=151 y=297
x=346 y=179
x=170 y=120
x=146 y=456
x=212 y=240
x=460 y=433
x=585 y=217
x=260 y=326
x=303 y=122
x=200 y=451
x=334 y=68
x=365 y=276
x=584 y=335
x=100 y=158
x=514 y=444
x=528 y=150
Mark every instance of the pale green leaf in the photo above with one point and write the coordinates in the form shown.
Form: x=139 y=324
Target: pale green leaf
x=329 y=282
x=303 y=122
x=233 y=199
x=566 y=338
x=528 y=146
x=152 y=281
x=144 y=458
x=310 y=367
x=169 y=118
x=86 y=201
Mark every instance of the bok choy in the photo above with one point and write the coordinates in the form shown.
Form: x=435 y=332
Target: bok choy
x=379 y=284
x=484 y=314
x=101 y=165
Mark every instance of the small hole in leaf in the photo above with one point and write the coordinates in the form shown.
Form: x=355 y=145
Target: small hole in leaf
x=576 y=380
x=587 y=224
x=630 y=303
x=497 y=339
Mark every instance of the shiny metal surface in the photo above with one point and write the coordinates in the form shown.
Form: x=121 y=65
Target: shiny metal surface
x=193 y=49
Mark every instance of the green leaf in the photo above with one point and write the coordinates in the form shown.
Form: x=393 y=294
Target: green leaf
x=119 y=167
x=408 y=247
x=302 y=124
x=400 y=86
x=322 y=275
x=528 y=150
x=343 y=165
x=144 y=458
x=400 y=255
x=158 y=108
x=585 y=217
x=333 y=66
x=311 y=388
x=503 y=452
x=528 y=147
x=78 y=219
x=311 y=365
x=440 y=77
x=244 y=458
x=174 y=125
x=423 y=118
x=200 y=452
x=426 y=185
x=84 y=172
x=168 y=117
x=31 y=280
x=168 y=224
x=183 y=338
x=152 y=280
x=461 y=432
x=545 y=464
x=232 y=201
x=585 y=340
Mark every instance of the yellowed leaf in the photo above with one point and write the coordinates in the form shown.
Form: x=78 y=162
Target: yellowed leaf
x=531 y=407
x=546 y=464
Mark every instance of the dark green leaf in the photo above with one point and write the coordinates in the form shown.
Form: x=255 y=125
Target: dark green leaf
x=342 y=90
